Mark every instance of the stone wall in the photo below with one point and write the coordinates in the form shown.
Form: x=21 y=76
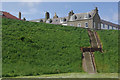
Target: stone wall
x=81 y=22
x=96 y=21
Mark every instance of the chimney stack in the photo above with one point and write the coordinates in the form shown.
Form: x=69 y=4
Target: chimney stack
x=47 y=16
x=19 y=15
x=70 y=14
x=24 y=19
x=55 y=16
x=96 y=9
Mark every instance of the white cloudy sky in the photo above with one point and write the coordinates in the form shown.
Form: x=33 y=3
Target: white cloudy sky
x=35 y=10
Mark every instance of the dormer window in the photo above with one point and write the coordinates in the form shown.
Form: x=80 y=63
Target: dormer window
x=41 y=20
x=64 y=19
x=86 y=16
x=89 y=15
x=50 y=20
x=75 y=17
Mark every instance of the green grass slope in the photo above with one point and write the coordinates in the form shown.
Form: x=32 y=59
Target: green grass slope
x=107 y=62
x=30 y=48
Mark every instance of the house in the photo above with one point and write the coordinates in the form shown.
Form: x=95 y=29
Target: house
x=109 y=25
x=4 y=14
x=90 y=20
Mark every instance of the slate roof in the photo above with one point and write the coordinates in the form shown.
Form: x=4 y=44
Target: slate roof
x=59 y=20
x=56 y=21
x=7 y=15
x=37 y=20
x=80 y=16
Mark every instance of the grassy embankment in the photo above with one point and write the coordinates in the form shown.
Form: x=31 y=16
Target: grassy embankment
x=30 y=49
x=107 y=62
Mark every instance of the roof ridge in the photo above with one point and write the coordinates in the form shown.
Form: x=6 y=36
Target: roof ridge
x=8 y=15
x=84 y=12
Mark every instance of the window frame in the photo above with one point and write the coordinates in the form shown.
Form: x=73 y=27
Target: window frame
x=85 y=24
x=112 y=28
x=79 y=25
x=108 y=27
x=103 y=25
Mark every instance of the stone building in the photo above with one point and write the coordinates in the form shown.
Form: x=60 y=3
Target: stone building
x=90 y=20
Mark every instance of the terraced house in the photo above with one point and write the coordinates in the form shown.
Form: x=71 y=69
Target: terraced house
x=90 y=20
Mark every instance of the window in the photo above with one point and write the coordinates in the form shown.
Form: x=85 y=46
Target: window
x=103 y=26
x=71 y=25
x=94 y=25
x=79 y=25
x=75 y=17
x=86 y=25
x=108 y=27
x=50 y=20
x=112 y=27
x=89 y=15
x=41 y=20
x=98 y=26
x=64 y=19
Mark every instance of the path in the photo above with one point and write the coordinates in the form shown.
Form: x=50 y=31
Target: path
x=88 y=57
x=89 y=63
x=94 y=39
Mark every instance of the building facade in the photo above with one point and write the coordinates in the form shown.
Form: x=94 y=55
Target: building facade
x=90 y=20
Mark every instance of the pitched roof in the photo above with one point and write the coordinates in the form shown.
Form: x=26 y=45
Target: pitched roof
x=110 y=23
x=8 y=15
x=37 y=20
x=56 y=21
x=80 y=16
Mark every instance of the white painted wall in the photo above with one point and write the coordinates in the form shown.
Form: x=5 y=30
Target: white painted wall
x=106 y=27
x=64 y=24
x=110 y=27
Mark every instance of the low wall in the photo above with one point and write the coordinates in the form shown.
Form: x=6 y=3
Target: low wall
x=91 y=49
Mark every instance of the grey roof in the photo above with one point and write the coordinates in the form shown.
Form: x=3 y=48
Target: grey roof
x=110 y=23
x=59 y=20
x=80 y=16
x=56 y=21
x=36 y=20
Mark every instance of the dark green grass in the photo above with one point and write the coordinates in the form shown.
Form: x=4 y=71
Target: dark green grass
x=107 y=62
x=30 y=48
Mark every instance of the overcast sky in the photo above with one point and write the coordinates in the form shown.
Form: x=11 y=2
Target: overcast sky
x=35 y=10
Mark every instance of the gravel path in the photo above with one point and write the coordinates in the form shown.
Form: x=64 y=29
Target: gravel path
x=89 y=63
